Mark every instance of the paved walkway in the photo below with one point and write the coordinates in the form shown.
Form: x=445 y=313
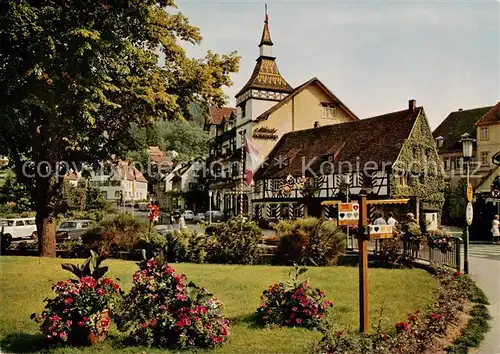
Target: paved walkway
x=484 y=268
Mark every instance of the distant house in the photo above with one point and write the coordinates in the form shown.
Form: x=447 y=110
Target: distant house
x=158 y=158
x=180 y=183
x=388 y=156
x=488 y=145
x=457 y=123
x=121 y=184
x=72 y=178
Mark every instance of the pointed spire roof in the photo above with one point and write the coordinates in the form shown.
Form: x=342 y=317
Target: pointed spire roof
x=266 y=75
x=266 y=35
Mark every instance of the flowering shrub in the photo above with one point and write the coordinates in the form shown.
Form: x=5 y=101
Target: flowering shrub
x=79 y=312
x=164 y=310
x=294 y=305
x=441 y=240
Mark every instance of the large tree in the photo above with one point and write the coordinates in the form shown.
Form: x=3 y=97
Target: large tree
x=76 y=74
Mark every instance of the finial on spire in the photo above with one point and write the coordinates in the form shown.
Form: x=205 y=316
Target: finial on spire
x=267 y=16
x=266 y=36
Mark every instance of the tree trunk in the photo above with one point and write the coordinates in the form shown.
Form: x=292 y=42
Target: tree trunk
x=46 y=229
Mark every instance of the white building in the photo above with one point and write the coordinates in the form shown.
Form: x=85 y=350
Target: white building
x=123 y=183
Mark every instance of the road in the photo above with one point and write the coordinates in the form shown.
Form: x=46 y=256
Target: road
x=484 y=268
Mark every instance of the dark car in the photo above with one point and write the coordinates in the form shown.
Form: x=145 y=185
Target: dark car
x=73 y=229
x=216 y=216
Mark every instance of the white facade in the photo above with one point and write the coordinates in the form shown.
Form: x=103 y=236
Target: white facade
x=184 y=176
x=116 y=184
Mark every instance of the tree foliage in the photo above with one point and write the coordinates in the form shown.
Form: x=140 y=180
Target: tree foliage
x=76 y=74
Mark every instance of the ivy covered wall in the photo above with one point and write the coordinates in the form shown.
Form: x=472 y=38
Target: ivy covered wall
x=417 y=172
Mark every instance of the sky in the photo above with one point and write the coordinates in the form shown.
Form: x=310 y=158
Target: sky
x=373 y=55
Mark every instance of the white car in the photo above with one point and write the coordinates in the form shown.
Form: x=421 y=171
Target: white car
x=19 y=227
x=188 y=215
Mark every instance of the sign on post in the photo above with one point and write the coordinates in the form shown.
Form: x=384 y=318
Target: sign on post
x=470 y=192
x=469 y=213
x=348 y=214
x=380 y=231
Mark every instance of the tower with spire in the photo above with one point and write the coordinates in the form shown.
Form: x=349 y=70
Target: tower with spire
x=266 y=87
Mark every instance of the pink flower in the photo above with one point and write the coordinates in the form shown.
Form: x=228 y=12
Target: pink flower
x=144 y=324
x=265 y=317
x=49 y=337
x=81 y=323
x=298 y=320
x=62 y=335
x=163 y=307
x=294 y=309
x=56 y=318
x=85 y=318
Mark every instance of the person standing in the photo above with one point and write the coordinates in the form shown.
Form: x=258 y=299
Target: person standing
x=391 y=221
x=379 y=220
x=495 y=230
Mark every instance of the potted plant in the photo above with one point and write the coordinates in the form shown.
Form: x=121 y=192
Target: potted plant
x=79 y=314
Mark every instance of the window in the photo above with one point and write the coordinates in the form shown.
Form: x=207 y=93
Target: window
x=484 y=158
x=273 y=210
x=402 y=179
x=297 y=211
x=104 y=194
x=192 y=185
x=484 y=133
x=19 y=223
x=243 y=111
x=117 y=194
x=328 y=111
x=460 y=163
x=447 y=163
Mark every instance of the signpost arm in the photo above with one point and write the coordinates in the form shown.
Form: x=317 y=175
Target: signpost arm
x=363 y=266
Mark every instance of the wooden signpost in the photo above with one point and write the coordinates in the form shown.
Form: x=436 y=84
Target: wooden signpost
x=363 y=265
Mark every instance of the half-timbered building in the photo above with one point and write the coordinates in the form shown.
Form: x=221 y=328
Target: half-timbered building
x=388 y=156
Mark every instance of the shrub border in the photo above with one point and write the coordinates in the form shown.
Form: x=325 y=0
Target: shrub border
x=471 y=334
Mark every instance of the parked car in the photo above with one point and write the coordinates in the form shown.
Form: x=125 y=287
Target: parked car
x=199 y=217
x=73 y=229
x=217 y=216
x=19 y=228
x=188 y=215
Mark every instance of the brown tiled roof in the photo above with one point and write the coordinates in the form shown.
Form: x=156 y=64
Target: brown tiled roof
x=456 y=124
x=158 y=157
x=71 y=176
x=299 y=89
x=491 y=117
x=130 y=173
x=220 y=114
x=378 y=139
x=266 y=76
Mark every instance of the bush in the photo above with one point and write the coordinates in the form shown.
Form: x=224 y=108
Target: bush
x=79 y=312
x=120 y=234
x=234 y=242
x=293 y=304
x=164 y=310
x=185 y=246
x=441 y=240
x=73 y=248
x=390 y=252
x=309 y=241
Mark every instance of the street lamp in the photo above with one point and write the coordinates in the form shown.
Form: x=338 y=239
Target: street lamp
x=209 y=207
x=439 y=142
x=467 y=143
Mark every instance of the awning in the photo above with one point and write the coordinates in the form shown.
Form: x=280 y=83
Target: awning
x=388 y=201
x=283 y=202
x=331 y=202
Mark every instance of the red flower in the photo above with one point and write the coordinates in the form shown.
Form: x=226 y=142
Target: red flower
x=298 y=320
x=81 y=323
x=457 y=274
x=116 y=287
x=402 y=326
x=144 y=324
x=436 y=316
x=412 y=318
x=85 y=318
x=69 y=300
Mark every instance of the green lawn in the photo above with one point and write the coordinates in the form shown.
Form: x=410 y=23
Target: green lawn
x=26 y=281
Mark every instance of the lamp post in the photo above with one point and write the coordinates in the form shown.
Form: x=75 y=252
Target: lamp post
x=210 y=207
x=467 y=142
x=439 y=142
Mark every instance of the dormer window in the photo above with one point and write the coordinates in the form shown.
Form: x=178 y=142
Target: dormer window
x=328 y=111
x=484 y=133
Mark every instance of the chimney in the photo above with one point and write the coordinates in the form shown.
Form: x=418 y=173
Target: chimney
x=460 y=109
x=412 y=105
x=316 y=124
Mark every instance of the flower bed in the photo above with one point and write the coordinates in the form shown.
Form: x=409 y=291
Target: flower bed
x=294 y=304
x=427 y=332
